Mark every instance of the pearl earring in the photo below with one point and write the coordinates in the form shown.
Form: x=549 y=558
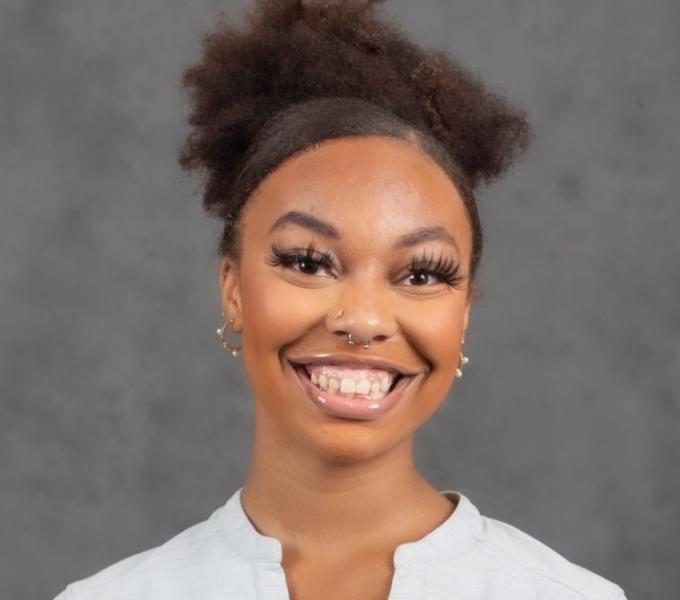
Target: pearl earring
x=463 y=361
x=221 y=332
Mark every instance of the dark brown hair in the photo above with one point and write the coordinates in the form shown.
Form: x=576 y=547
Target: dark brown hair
x=301 y=72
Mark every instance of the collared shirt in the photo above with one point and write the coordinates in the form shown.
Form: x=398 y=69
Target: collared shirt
x=467 y=557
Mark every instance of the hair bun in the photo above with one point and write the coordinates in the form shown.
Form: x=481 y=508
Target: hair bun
x=290 y=51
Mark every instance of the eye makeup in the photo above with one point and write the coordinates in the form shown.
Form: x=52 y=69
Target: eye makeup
x=444 y=269
x=309 y=256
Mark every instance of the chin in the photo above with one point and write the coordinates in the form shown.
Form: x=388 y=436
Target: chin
x=344 y=442
x=350 y=451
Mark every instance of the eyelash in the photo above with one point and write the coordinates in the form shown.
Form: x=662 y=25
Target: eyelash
x=445 y=269
x=309 y=254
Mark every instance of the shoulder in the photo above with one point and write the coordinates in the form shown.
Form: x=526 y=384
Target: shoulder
x=195 y=557
x=516 y=559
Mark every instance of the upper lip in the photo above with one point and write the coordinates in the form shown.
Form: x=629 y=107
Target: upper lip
x=354 y=362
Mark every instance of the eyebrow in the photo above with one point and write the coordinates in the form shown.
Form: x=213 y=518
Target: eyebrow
x=406 y=240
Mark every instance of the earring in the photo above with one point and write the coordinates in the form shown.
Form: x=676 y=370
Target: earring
x=221 y=332
x=463 y=361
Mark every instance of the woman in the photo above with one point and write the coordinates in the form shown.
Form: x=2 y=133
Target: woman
x=342 y=160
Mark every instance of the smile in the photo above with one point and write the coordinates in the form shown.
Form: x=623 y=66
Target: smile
x=350 y=393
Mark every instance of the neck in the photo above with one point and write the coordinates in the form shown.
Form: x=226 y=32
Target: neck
x=306 y=500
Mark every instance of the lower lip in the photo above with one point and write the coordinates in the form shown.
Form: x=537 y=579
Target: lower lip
x=347 y=407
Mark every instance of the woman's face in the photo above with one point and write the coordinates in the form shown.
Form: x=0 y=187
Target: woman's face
x=359 y=201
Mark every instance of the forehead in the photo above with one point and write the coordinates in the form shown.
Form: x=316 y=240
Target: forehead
x=370 y=187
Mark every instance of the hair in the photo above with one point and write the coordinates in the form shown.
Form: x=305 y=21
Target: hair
x=301 y=72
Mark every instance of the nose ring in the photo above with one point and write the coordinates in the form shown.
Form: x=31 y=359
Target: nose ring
x=351 y=341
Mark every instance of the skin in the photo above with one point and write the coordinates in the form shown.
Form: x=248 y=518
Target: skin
x=341 y=494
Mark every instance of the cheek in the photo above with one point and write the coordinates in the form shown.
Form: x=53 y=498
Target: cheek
x=439 y=330
x=436 y=328
x=276 y=313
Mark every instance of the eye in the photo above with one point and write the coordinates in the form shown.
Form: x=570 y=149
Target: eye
x=421 y=278
x=423 y=270
x=303 y=260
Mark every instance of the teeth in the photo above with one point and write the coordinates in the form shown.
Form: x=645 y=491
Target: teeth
x=348 y=386
x=369 y=382
x=375 y=390
x=363 y=387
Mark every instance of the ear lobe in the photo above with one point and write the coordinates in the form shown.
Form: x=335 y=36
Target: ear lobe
x=230 y=291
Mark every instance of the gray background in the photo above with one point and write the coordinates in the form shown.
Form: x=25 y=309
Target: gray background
x=122 y=419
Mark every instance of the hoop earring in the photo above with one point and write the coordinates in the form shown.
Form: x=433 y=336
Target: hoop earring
x=221 y=332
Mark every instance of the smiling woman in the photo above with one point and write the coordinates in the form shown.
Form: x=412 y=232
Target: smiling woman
x=373 y=228
x=342 y=160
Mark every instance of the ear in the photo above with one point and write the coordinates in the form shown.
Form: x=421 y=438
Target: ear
x=466 y=316
x=230 y=292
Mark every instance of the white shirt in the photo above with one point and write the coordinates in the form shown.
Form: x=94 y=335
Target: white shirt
x=467 y=557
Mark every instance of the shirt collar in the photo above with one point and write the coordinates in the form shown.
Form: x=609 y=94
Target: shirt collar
x=447 y=541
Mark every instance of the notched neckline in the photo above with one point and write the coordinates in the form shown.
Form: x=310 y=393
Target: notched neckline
x=445 y=542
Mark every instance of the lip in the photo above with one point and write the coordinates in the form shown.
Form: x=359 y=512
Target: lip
x=350 y=408
x=352 y=361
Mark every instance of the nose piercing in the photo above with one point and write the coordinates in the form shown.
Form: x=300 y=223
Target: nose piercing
x=351 y=341
x=349 y=335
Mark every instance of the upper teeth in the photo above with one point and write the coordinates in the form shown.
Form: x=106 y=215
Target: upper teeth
x=373 y=382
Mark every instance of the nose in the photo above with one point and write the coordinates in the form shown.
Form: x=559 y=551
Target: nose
x=367 y=312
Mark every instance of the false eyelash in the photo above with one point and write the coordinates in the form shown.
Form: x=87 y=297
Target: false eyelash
x=444 y=268
x=315 y=257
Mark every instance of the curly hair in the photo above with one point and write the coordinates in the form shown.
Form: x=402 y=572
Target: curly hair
x=301 y=72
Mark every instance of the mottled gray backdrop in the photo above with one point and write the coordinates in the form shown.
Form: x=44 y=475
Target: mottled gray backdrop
x=122 y=419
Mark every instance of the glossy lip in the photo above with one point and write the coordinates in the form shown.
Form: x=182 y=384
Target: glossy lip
x=365 y=362
x=346 y=407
